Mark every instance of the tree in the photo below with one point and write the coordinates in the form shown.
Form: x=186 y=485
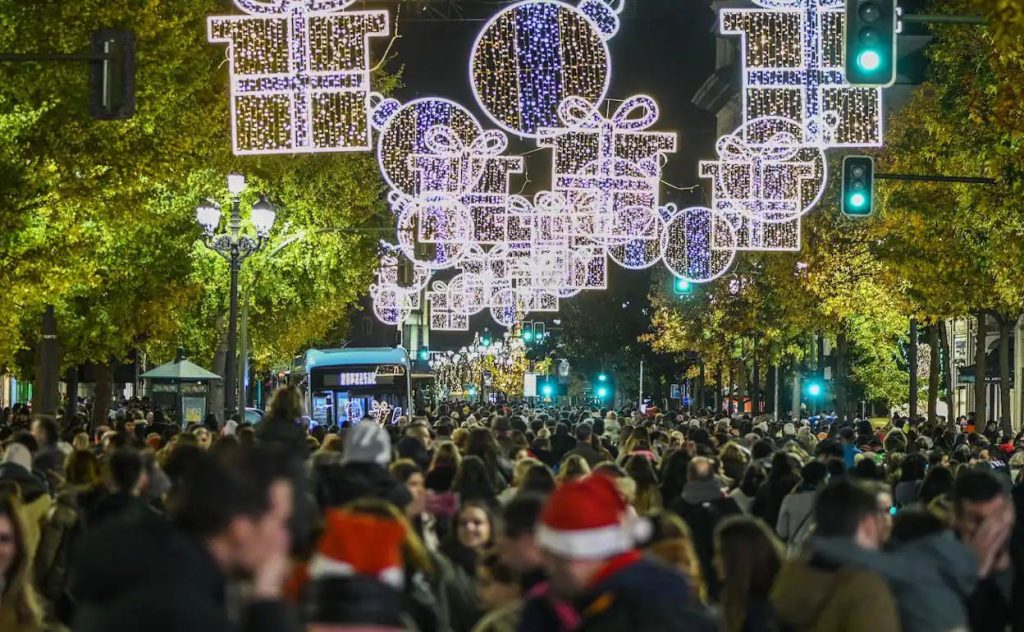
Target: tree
x=960 y=248
x=103 y=223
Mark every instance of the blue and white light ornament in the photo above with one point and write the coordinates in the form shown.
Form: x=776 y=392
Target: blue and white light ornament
x=688 y=240
x=404 y=132
x=533 y=54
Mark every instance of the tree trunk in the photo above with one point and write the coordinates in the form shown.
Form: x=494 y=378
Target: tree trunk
x=741 y=386
x=947 y=378
x=841 y=379
x=71 y=408
x=980 y=416
x=104 y=393
x=1005 y=325
x=912 y=367
x=220 y=356
x=755 y=389
x=717 y=400
x=701 y=387
x=934 y=368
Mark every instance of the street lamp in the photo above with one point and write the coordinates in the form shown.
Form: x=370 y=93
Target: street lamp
x=235 y=247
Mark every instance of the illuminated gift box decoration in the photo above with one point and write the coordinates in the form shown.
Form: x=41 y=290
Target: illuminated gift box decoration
x=764 y=180
x=300 y=74
x=606 y=164
x=792 y=52
x=476 y=172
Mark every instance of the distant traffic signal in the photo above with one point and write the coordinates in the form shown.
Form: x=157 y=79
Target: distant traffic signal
x=602 y=392
x=602 y=377
x=112 y=75
x=871 y=42
x=681 y=286
x=423 y=353
x=485 y=338
x=539 y=332
x=526 y=332
x=814 y=388
x=858 y=190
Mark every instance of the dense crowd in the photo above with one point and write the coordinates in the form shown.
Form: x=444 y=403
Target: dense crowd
x=490 y=518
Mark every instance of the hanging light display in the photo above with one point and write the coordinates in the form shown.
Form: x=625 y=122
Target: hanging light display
x=540 y=69
x=300 y=74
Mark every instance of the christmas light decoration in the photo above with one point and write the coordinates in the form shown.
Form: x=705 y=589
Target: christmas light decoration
x=792 y=53
x=605 y=165
x=540 y=69
x=763 y=186
x=533 y=54
x=300 y=74
x=686 y=243
x=403 y=134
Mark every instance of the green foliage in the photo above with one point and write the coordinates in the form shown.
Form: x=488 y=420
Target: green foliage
x=98 y=216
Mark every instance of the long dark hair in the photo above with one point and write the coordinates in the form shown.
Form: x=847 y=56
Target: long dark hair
x=473 y=481
x=18 y=588
x=750 y=556
x=482 y=444
x=673 y=474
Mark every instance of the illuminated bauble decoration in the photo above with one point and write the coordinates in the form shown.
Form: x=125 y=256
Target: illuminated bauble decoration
x=533 y=54
x=694 y=244
x=643 y=249
x=404 y=133
x=433 y=230
x=391 y=305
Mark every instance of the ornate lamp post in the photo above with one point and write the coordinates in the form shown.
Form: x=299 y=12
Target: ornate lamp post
x=235 y=247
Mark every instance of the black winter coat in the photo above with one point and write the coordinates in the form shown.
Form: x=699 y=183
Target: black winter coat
x=147 y=575
x=337 y=485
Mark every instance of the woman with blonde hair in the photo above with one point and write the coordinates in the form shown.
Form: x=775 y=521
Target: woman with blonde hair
x=20 y=610
x=672 y=543
x=573 y=467
x=518 y=474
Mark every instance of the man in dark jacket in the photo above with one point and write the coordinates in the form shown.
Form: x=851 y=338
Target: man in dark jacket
x=362 y=472
x=123 y=500
x=590 y=553
x=160 y=576
x=979 y=496
x=48 y=458
x=583 y=447
x=703 y=505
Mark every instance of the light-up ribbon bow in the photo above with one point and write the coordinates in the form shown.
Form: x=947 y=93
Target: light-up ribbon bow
x=443 y=141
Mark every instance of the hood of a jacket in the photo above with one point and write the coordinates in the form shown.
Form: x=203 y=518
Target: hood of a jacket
x=31 y=486
x=802 y=592
x=148 y=555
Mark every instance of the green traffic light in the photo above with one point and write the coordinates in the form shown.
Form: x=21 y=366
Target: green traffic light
x=602 y=392
x=814 y=390
x=602 y=377
x=546 y=390
x=858 y=200
x=527 y=336
x=869 y=60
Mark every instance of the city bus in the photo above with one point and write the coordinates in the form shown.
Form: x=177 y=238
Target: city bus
x=345 y=385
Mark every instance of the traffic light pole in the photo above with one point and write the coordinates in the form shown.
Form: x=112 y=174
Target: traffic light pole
x=943 y=19
x=934 y=178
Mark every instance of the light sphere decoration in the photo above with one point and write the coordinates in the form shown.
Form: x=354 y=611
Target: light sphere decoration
x=533 y=54
x=404 y=131
x=688 y=243
x=438 y=221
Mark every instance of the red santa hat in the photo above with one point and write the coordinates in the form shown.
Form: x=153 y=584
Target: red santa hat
x=359 y=544
x=589 y=519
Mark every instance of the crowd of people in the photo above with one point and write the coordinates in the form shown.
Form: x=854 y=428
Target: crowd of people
x=493 y=518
